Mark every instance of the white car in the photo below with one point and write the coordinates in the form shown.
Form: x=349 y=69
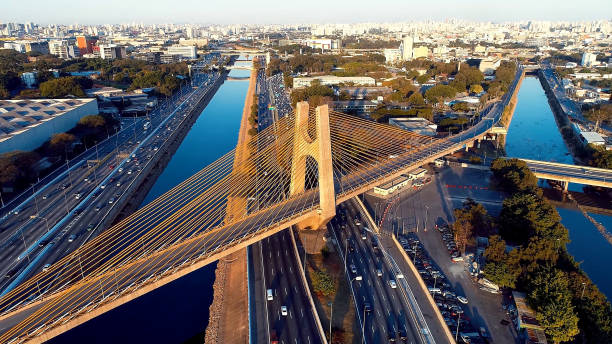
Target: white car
x=284 y=310
x=462 y=299
x=46 y=267
x=392 y=284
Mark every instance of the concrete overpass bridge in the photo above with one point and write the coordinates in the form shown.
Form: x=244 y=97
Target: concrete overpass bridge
x=303 y=166
x=566 y=173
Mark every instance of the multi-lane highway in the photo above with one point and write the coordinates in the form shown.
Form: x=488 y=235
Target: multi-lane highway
x=384 y=311
x=277 y=264
x=68 y=211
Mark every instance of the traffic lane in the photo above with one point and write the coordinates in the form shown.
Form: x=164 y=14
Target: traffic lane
x=374 y=326
x=302 y=316
x=397 y=306
x=285 y=329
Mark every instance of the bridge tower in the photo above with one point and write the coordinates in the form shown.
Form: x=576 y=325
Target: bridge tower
x=319 y=149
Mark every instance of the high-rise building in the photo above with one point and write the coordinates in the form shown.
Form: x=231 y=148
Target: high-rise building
x=588 y=59
x=85 y=44
x=406 y=48
x=63 y=49
x=37 y=46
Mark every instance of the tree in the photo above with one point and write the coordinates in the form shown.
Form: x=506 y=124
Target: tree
x=551 y=298
x=476 y=89
x=4 y=93
x=323 y=283
x=439 y=92
x=471 y=218
x=501 y=268
x=600 y=157
x=514 y=175
x=92 y=121
x=421 y=79
x=61 y=143
x=416 y=99
x=61 y=87
x=460 y=106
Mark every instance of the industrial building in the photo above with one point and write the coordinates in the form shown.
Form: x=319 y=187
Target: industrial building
x=27 y=124
x=329 y=80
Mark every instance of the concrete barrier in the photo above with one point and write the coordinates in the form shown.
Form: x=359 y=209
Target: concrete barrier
x=305 y=283
x=423 y=286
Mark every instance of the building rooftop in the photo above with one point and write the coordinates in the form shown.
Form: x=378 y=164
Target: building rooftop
x=17 y=116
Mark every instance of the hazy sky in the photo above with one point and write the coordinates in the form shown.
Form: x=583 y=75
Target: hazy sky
x=295 y=11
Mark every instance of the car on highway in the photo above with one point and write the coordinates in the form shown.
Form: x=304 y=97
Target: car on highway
x=284 y=310
x=269 y=295
x=71 y=238
x=97 y=208
x=102 y=186
x=46 y=267
x=118 y=184
x=353 y=268
x=43 y=243
x=392 y=284
x=111 y=200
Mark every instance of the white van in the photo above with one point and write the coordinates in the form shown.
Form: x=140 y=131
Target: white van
x=270 y=297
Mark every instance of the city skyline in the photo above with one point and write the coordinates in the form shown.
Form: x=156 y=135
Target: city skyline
x=269 y=12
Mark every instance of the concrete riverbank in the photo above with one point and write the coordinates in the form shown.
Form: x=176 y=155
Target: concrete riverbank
x=229 y=322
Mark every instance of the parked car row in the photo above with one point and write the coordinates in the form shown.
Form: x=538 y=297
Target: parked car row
x=449 y=240
x=449 y=302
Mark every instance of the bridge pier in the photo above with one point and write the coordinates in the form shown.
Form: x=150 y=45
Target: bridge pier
x=319 y=149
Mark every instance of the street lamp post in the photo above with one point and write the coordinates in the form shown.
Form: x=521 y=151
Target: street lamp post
x=363 y=325
x=331 y=316
x=582 y=294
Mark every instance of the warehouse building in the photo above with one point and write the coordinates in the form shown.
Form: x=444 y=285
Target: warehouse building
x=329 y=80
x=27 y=124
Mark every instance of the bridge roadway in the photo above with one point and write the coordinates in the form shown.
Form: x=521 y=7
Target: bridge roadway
x=571 y=173
x=65 y=307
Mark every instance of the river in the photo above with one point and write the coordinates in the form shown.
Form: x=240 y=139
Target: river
x=533 y=134
x=178 y=311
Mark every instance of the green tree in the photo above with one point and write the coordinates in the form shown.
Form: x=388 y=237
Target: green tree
x=501 y=268
x=323 y=283
x=92 y=121
x=61 y=143
x=439 y=93
x=61 y=87
x=4 y=93
x=416 y=99
x=514 y=175
x=476 y=88
x=551 y=298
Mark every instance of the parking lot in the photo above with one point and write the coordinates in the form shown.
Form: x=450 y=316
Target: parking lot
x=433 y=205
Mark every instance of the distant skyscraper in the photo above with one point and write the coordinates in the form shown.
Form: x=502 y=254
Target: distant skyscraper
x=406 y=48
x=588 y=59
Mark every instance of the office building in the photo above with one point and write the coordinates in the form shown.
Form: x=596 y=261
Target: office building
x=27 y=124
x=63 y=49
x=187 y=51
x=406 y=48
x=420 y=52
x=392 y=55
x=588 y=60
x=111 y=51
x=329 y=80
x=86 y=44
x=324 y=44
x=37 y=46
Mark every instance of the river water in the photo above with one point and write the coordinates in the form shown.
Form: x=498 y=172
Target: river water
x=533 y=134
x=178 y=311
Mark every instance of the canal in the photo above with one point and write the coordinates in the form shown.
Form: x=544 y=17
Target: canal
x=533 y=134
x=178 y=311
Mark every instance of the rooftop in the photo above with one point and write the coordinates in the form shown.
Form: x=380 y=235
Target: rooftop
x=17 y=116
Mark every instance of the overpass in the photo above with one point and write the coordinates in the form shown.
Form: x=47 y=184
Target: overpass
x=309 y=162
x=566 y=173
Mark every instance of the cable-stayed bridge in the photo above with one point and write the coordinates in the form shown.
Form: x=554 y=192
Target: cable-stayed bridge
x=295 y=173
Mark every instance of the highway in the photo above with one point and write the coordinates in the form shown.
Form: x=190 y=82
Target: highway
x=573 y=173
x=386 y=310
x=278 y=265
x=67 y=212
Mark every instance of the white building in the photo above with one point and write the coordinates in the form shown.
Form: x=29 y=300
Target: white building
x=588 y=59
x=392 y=55
x=329 y=80
x=63 y=50
x=112 y=51
x=186 y=51
x=415 y=124
x=27 y=124
x=29 y=79
x=324 y=44
x=406 y=48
